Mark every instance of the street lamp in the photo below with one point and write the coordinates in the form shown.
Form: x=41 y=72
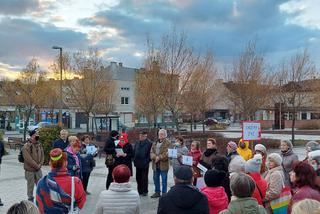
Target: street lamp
x=280 y=116
x=60 y=106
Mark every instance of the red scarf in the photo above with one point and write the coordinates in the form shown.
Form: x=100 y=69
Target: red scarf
x=122 y=143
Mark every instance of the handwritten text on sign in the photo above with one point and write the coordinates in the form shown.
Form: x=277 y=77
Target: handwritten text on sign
x=251 y=131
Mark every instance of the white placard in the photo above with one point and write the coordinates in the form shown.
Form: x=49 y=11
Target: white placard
x=251 y=131
x=200 y=183
x=116 y=142
x=187 y=160
x=202 y=168
x=172 y=153
x=119 y=151
x=91 y=149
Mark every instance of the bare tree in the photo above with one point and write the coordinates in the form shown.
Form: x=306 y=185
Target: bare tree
x=250 y=83
x=199 y=94
x=83 y=92
x=294 y=75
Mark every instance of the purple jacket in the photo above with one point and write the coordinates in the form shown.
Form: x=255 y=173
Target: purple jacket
x=304 y=193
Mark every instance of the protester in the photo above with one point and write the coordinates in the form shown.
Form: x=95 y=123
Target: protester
x=1 y=154
x=141 y=161
x=110 y=150
x=221 y=163
x=242 y=187
x=195 y=153
x=73 y=156
x=252 y=168
x=306 y=206
x=310 y=147
x=183 y=197
x=124 y=135
x=54 y=190
x=124 y=154
x=303 y=177
x=314 y=161
x=63 y=142
x=33 y=155
x=209 y=154
x=120 y=198
x=288 y=159
x=160 y=162
x=87 y=161
x=236 y=162
x=243 y=149
x=181 y=150
x=275 y=179
x=217 y=197
x=24 y=207
x=262 y=150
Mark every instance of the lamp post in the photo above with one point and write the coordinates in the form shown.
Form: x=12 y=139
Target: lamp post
x=60 y=106
x=280 y=116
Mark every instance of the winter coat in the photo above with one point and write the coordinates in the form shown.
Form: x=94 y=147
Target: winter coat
x=110 y=146
x=261 y=187
x=33 y=156
x=246 y=153
x=217 y=199
x=304 y=193
x=163 y=156
x=275 y=181
x=127 y=160
x=288 y=159
x=196 y=155
x=244 y=206
x=125 y=137
x=141 y=158
x=73 y=170
x=59 y=143
x=176 y=162
x=208 y=157
x=87 y=160
x=183 y=199
x=120 y=198
x=1 y=150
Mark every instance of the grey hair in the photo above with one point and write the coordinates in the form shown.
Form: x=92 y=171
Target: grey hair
x=306 y=206
x=242 y=185
x=64 y=131
x=163 y=131
x=24 y=207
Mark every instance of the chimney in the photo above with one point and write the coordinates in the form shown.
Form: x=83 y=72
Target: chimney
x=120 y=64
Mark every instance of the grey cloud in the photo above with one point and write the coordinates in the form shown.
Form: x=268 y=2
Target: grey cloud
x=17 y=7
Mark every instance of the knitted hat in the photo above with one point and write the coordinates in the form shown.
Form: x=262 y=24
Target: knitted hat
x=183 y=173
x=232 y=145
x=254 y=164
x=114 y=133
x=288 y=142
x=214 y=178
x=276 y=158
x=237 y=164
x=312 y=146
x=314 y=155
x=261 y=148
x=32 y=132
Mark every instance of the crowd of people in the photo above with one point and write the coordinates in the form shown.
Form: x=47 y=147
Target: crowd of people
x=244 y=180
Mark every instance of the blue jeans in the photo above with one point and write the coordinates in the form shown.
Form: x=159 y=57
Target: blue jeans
x=156 y=179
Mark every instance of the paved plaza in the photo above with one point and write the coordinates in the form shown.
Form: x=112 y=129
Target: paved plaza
x=13 y=186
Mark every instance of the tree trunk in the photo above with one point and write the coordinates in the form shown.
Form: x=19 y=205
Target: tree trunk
x=88 y=114
x=293 y=126
x=191 y=124
x=154 y=121
x=26 y=123
x=203 y=119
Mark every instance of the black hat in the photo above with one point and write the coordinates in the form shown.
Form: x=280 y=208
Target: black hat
x=32 y=132
x=114 y=133
x=183 y=173
x=214 y=178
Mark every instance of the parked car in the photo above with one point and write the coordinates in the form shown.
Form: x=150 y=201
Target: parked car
x=38 y=126
x=210 y=121
x=224 y=122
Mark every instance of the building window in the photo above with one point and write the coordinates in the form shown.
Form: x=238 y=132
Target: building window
x=303 y=116
x=125 y=100
x=125 y=88
x=315 y=116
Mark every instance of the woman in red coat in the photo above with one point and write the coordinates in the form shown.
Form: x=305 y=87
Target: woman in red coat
x=196 y=155
x=252 y=168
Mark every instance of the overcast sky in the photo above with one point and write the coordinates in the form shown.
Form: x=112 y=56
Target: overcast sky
x=118 y=28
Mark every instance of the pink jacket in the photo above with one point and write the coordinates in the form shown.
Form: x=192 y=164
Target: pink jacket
x=217 y=199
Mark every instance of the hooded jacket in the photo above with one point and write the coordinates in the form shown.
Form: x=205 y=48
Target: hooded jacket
x=261 y=187
x=288 y=159
x=217 y=199
x=119 y=198
x=183 y=199
x=244 y=205
x=246 y=153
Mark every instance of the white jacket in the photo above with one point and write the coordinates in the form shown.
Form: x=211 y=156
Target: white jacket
x=119 y=199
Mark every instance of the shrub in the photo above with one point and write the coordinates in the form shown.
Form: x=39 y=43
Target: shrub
x=47 y=135
x=218 y=127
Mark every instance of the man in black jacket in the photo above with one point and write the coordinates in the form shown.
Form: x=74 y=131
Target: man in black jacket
x=141 y=161
x=110 y=150
x=63 y=142
x=183 y=197
x=1 y=154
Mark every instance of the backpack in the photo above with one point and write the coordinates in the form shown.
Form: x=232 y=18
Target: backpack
x=20 y=156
